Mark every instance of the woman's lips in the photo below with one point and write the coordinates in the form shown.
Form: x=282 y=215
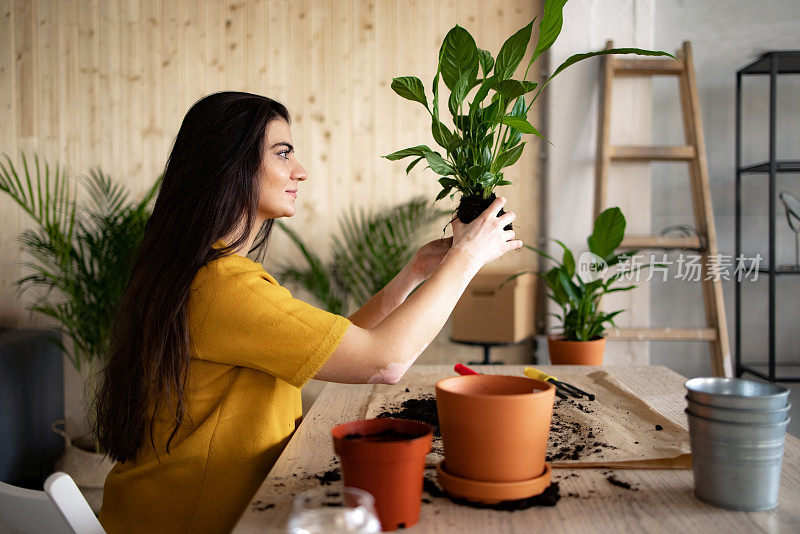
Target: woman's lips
x=293 y=193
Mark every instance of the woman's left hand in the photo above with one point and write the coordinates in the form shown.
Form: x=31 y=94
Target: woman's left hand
x=427 y=259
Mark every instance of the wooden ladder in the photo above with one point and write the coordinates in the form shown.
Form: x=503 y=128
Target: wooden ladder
x=694 y=153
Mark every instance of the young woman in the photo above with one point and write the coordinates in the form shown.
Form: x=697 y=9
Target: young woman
x=201 y=392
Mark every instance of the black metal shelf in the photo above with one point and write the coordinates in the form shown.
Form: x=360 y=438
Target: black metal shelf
x=773 y=64
x=782 y=166
x=782 y=269
x=745 y=368
x=786 y=62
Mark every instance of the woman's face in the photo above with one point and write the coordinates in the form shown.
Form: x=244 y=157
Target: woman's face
x=280 y=173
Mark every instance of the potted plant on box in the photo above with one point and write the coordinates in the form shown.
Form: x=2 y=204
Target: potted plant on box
x=82 y=257
x=486 y=132
x=579 y=289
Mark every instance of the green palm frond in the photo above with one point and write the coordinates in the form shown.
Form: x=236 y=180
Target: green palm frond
x=315 y=277
x=81 y=256
x=373 y=246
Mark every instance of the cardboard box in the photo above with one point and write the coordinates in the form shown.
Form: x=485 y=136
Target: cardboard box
x=490 y=314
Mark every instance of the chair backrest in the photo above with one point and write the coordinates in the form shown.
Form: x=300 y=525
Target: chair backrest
x=69 y=501
x=29 y=511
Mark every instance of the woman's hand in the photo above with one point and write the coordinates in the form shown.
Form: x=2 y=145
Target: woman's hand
x=428 y=257
x=484 y=240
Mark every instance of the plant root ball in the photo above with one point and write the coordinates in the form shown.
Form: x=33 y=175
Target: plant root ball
x=473 y=205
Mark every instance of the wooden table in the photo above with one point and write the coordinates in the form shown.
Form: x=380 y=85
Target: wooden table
x=663 y=501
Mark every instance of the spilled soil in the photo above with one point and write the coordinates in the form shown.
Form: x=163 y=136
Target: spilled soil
x=570 y=437
x=328 y=477
x=421 y=409
x=390 y=434
x=620 y=483
x=549 y=497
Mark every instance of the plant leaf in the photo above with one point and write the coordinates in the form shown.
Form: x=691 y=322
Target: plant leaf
x=443 y=135
x=458 y=56
x=542 y=253
x=521 y=125
x=568 y=260
x=448 y=182
x=411 y=88
x=438 y=164
x=418 y=150
x=510 y=89
x=443 y=193
x=580 y=57
x=413 y=164
x=487 y=179
x=550 y=27
x=487 y=61
x=510 y=157
x=609 y=230
x=512 y=52
x=458 y=93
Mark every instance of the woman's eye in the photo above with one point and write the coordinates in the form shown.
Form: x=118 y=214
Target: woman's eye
x=283 y=154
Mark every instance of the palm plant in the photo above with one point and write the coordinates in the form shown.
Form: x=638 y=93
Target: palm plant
x=82 y=255
x=372 y=248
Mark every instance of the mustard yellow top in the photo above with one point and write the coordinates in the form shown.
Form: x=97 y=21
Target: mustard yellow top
x=253 y=347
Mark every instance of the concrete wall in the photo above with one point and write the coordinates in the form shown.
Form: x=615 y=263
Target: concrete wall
x=726 y=35
x=572 y=101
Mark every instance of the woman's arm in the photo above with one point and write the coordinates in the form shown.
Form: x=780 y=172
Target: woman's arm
x=386 y=300
x=421 y=266
x=384 y=353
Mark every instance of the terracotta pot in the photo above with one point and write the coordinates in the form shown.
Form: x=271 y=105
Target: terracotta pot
x=575 y=352
x=495 y=428
x=391 y=470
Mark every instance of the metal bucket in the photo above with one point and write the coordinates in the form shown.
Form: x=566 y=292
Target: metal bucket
x=735 y=432
x=736 y=466
x=738 y=482
x=731 y=415
x=737 y=393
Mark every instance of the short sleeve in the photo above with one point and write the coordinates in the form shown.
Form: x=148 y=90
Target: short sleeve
x=239 y=315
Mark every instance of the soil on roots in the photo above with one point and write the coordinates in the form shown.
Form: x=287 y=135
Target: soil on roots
x=473 y=205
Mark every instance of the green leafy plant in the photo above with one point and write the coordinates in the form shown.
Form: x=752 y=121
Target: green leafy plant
x=487 y=131
x=82 y=254
x=578 y=291
x=372 y=248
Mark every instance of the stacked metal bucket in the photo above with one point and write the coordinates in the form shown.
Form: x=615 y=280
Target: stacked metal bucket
x=737 y=430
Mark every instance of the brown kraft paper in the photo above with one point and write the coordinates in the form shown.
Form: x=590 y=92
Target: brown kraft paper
x=616 y=430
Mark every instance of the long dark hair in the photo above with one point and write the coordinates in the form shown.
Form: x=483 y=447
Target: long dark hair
x=210 y=189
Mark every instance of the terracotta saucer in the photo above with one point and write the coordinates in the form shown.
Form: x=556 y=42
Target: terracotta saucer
x=492 y=492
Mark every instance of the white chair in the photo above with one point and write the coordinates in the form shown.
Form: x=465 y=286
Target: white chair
x=29 y=511
x=59 y=509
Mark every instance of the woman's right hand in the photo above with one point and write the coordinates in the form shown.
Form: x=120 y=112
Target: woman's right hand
x=484 y=240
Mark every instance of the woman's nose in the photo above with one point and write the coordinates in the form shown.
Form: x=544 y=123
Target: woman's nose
x=299 y=173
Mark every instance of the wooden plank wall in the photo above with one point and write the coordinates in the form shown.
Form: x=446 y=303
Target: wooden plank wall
x=105 y=83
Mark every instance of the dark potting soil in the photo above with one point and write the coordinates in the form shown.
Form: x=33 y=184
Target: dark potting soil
x=619 y=483
x=326 y=478
x=421 y=409
x=569 y=438
x=261 y=506
x=390 y=434
x=471 y=206
x=549 y=497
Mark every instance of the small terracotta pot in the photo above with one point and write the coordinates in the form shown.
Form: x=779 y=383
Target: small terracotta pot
x=391 y=470
x=575 y=352
x=494 y=427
